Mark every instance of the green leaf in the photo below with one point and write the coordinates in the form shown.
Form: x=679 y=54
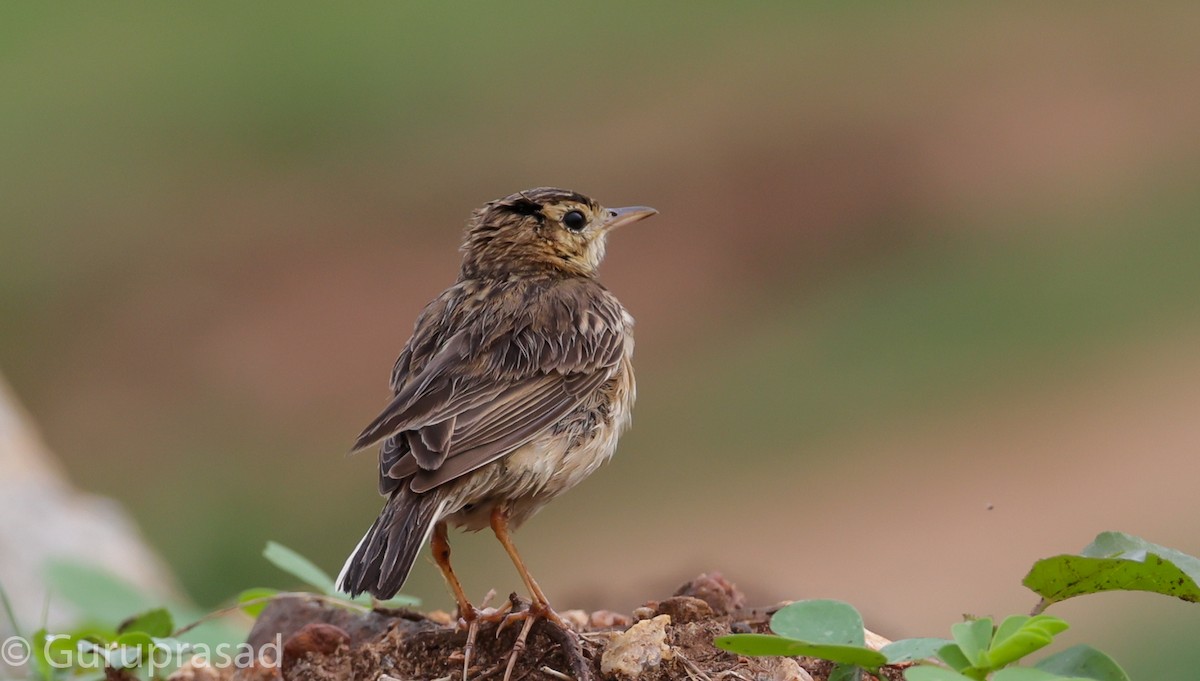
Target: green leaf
x=758 y=645
x=910 y=649
x=61 y=650
x=91 y=655
x=1011 y=625
x=846 y=672
x=1030 y=674
x=299 y=567
x=156 y=622
x=134 y=639
x=259 y=596
x=973 y=638
x=1084 y=661
x=98 y=635
x=1047 y=624
x=820 y=621
x=925 y=672
x=99 y=595
x=830 y=630
x=126 y=658
x=103 y=597
x=952 y=655
x=130 y=650
x=41 y=663
x=1117 y=561
x=1022 y=635
x=48 y=657
x=1016 y=647
x=1119 y=544
x=173 y=648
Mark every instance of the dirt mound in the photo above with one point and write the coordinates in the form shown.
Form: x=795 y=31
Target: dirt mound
x=667 y=639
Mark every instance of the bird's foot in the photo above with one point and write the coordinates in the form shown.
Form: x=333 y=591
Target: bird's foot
x=514 y=611
x=553 y=626
x=469 y=618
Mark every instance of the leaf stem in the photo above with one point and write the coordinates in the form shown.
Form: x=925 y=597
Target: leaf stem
x=8 y=610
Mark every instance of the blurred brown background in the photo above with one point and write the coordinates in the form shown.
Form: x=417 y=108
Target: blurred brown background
x=912 y=263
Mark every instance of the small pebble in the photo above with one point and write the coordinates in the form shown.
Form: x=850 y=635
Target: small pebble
x=712 y=588
x=604 y=619
x=643 y=613
x=683 y=609
x=199 y=669
x=638 y=649
x=576 y=619
x=787 y=669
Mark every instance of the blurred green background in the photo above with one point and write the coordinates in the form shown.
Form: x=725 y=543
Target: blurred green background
x=911 y=262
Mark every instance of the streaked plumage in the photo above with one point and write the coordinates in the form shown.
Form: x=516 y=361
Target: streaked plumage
x=514 y=387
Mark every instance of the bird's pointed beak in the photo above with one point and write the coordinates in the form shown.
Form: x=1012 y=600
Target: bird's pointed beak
x=626 y=215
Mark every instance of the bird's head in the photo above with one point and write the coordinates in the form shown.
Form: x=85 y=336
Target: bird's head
x=543 y=229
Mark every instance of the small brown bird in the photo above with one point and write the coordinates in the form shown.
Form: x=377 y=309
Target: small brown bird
x=514 y=387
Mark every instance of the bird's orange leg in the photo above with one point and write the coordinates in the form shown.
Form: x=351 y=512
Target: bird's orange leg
x=538 y=609
x=441 y=556
x=540 y=605
x=467 y=614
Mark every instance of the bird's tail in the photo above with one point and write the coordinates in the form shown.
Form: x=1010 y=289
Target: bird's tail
x=385 y=555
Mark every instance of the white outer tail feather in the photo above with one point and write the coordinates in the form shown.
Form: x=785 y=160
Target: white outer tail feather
x=341 y=578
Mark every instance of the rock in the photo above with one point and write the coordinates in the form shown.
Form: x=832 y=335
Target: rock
x=59 y=522
x=315 y=638
x=644 y=613
x=684 y=609
x=257 y=672
x=576 y=619
x=640 y=648
x=604 y=619
x=199 y=669
x=284 y=617
x=783 y=669
x=720 y=594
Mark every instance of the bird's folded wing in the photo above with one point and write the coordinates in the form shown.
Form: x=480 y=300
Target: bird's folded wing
x=391 y=452
x=434 y=394
x=471 y=404
x=514 y=420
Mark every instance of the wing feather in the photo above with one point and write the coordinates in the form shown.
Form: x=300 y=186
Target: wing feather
x=517 y=429
x=495 y=383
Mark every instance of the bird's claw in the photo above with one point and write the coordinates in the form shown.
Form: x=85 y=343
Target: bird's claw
x=527 y=613
x=469 y=618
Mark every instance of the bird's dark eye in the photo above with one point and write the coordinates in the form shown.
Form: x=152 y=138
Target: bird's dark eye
x=574 y=221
